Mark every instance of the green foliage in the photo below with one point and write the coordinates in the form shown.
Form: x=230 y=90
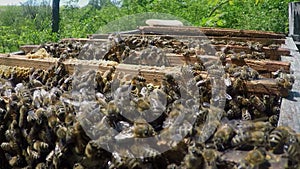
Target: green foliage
x=31 y=24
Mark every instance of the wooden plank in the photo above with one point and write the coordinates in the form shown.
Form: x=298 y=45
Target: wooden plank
x=259 y=65
x=197 y=31
x=152 y=74
x=273 y=54
x=263 y=65
x=82 y=40
x=290 y=106
x=264 y=41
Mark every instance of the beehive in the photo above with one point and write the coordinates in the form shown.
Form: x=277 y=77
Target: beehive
x=229 y=41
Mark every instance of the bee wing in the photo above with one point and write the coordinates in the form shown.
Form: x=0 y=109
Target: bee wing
x=125 y=134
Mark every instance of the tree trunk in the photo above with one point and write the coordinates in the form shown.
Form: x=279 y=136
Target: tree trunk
x=55 y=15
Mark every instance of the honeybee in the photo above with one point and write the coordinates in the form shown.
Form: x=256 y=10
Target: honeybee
x=246 y=114
x=278 y=136
x=142 y=129
x=22 y=115
x=238 y=83
x=243 y=101
x=254 y=126
x=253 y=159
x=124 y=159
x=41 y=166
x=292 y=147
x=40 y=146
x=254 y=138
x=274 y=46
x=6 y=146
x=184 y=130
x=53 y=121
x=207 y=131
x=32 y=154
x=211 y=157
x=257 y=103
x=193 y=159
x=78 y=166
x=15 y=161
x=61 y=131
x=91 y=149
x=274 y=119
x=234 y=110
x=223 y=136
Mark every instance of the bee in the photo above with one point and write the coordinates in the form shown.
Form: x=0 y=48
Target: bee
x=53 y=121
x=91 y=149
x=234 y=110
x=142 y=129
x=274 y=119
x=22 y=115
x=78 y=166
x=292 y=147
x=274 y=46
x=254 y=138
x=25 y=96
x=284 y=80
x=246 y=114
x=124 y=159
x=210 y=157
x=257 y=103
x=253 y=159
x=40 y=146
x=69 y=119
x=254 y=126
x=41 y=165
x=145 y=152
x=238 y=83
x=6 y=146
x=207 y=130
x=278 y=136
x=174 y=166
x=193 y=159
x=223 y=136
x=15 y=161
x=142 y=104
x=243 y=101
x=32 y=154
x=185 y=129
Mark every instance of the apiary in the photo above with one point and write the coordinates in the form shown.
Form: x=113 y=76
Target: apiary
x=156 y=97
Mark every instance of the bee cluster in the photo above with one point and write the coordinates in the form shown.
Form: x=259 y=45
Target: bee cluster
x=91 y=119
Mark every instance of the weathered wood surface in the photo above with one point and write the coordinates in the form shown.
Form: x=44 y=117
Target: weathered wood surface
x=264 y=41
x=152 y=74
x=263 y=65
x=294 y=19
x=273 y=54
x=197 y=31
x=259 y=65
x=177 y=60
x=290 y=106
